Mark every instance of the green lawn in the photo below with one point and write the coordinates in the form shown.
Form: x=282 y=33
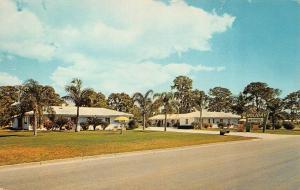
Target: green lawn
x=279 y=131
x=20 y=147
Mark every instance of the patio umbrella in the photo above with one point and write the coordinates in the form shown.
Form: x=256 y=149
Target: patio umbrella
x=122 y=120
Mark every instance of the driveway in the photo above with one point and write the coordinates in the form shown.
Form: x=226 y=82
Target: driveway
x=271 y=163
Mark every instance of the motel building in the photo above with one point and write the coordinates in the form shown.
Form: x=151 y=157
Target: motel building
x=108 y=115
x=186 y=120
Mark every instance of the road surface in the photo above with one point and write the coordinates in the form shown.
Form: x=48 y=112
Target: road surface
x=259 y=164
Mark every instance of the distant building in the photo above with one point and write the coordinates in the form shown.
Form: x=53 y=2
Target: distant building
x=187 y=119
x=108 y=115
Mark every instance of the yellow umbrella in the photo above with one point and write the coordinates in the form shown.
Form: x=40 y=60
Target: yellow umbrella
x=121 y=119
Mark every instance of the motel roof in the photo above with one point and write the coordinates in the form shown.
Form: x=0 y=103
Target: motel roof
x=205 y=114
x=84 y=112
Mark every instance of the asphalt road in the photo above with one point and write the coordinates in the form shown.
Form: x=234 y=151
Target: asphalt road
x=261 y=164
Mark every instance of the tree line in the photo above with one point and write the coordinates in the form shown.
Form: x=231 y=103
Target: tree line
x=256 y=98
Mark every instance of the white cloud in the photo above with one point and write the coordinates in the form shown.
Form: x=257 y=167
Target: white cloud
x=127 y=77
x=7 y=79
x=22 y=33
x=111 y=44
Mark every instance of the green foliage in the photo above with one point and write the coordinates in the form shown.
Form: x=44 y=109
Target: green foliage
x=277 y=126
x=120 y=102
x=183 y=94
x=85 y=125
x=288 y=125
x=220 y=100
x=144 y=102
x=292 y=103
x=61 y=122
x=259 y=93
x=78 y=95
x=132 y=124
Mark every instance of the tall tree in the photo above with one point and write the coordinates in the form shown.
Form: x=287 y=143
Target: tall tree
x=78 y=96
x=292 y=104
x=200 y=101
x=144 y=102
x=275 y=107
x=168 y=102
x=183 y=94
x=39 y=98
x=120 y=102
x=259 y=93
x=96 y=99
x=8 y=96
x=240 y=104
x=220 y=100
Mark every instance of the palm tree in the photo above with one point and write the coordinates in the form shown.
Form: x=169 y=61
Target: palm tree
x=77 y=95
x=38 y=97
x=144 y=102
x=167 y=101
x=199 y=99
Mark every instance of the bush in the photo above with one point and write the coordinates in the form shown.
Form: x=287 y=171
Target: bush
x=277 y=126
x=248 y=127
x=85 y=125
x=104 y=124
x=60 y=122
x=132 y=124
x=195 y=125
x=288 y=125
x=48 y=124
x=221 y=125
x=69 y=125
x=207 y=125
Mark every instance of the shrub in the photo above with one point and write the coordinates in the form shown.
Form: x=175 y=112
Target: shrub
x=132 y=124
x=195 y=125
x=70 y=124
x=288 y=125
x=277 y=126
x=48 y=124
x=84 y=125
x=104 y=124
x=207 y=125
x=248 y=127
x=221 y=125
x=94 y=121
x=60 y=122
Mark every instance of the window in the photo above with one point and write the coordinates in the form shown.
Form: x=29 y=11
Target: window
x=107 y=120
x=208 y=120
x=187 y=121
x=221 y=120
x=213 y=120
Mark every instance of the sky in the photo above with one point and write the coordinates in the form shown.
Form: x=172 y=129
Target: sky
x=136 y=45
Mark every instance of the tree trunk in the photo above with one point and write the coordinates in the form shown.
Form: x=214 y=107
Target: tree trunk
x=201 y=121
x=77 y=119
x=144 y=121
x=165 y=126
x=35 y=123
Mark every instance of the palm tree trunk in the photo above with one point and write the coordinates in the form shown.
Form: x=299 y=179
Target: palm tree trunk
x=201 y=121
x=77 y=119
x=144 y=121
x=35 y=123
x=165 y=122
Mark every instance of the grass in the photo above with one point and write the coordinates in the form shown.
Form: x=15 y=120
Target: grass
x=22 y=146
x=279 y=131
x=282 y=131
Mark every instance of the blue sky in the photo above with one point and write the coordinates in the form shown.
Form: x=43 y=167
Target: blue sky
x=132 y=45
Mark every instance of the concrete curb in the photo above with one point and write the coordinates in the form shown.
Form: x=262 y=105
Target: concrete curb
x=118 y=155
